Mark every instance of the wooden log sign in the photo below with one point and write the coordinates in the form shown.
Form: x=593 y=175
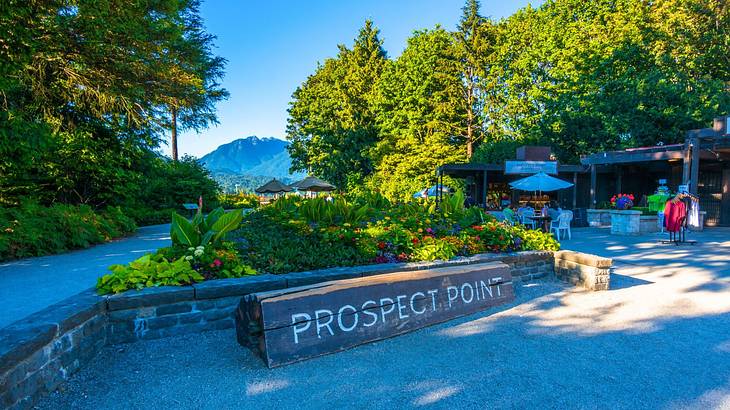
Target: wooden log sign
x=289 y=325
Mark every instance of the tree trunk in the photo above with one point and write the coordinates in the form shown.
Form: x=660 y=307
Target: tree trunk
x=173 y=113
x=469 y=117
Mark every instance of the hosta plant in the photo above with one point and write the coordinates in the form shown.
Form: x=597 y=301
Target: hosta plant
x=148 y=271
x=204 y=230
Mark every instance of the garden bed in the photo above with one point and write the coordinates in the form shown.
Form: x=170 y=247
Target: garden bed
x=295 y=235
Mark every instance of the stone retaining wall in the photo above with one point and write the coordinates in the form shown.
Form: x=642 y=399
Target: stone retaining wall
x=598 y=217
x=161 y=312
x=41 y=351
x=581 y=269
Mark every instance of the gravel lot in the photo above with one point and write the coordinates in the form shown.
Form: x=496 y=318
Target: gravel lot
x=659 y=339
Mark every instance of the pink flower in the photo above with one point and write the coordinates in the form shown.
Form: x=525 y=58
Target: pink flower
x=217 y=262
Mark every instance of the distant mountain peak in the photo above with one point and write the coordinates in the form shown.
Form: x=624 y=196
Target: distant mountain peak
x=253 y=155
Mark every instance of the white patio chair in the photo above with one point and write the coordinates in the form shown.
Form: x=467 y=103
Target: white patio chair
x=562 y=224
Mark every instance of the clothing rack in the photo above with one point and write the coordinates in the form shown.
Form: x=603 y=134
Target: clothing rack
x=678 y=237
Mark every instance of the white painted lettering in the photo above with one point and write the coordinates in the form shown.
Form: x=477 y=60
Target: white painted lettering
x=305 y=323
x=339 y=318
x=471 y=292
x=401 y=307
x=330 y=318
x=450 y=297
x=369 y=313
x=476 y=286
x=413 y=308
x=485 y=288
x=382 y=307
x=433 y=293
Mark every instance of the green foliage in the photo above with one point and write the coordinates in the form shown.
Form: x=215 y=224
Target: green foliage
x=203 y=230
x=148 y=271
x=80 y=120
x=33 y=230
x=240 y=201
x=331 y=122
x=580 y=76
x=536 y=240
x=319 y=210
x=420 y=110
x=297 y=235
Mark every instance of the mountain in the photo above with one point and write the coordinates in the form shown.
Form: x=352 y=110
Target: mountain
x=247 y=161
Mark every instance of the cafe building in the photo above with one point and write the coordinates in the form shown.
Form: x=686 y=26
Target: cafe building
x=702 y=163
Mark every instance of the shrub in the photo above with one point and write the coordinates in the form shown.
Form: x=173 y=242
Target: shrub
x=145 y=216
x=296 y=235
x=244 y=201
x=534 y=240
x=33 y=230
x=148 y=271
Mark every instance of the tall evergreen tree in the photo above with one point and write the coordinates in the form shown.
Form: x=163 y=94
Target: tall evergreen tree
x=420 y=111
x=473 y=48
x=331 y=122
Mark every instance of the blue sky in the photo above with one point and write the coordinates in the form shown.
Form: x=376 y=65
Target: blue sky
x=272 y=46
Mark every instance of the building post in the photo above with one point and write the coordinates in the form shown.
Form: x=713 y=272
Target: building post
x=484 y=185
x=575 y=188
x=593 y=186
x=619 y=178
x=438 y=175
x=686 y=160
x=694 y=166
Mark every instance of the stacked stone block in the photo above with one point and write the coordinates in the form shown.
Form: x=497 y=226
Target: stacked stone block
x=589 y=271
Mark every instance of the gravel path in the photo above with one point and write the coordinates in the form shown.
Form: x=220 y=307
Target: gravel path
x=659 y=339
x=29 y=285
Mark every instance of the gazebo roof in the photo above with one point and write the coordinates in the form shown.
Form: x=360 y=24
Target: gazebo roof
x=273 y=187
x=313 y=184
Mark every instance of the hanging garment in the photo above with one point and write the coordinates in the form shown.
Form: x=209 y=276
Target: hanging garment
x=674 y=212
x=693 y=214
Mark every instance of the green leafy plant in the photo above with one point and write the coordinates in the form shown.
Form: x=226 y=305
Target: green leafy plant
x=31 y=229
x=203 y=230
x=148 y=271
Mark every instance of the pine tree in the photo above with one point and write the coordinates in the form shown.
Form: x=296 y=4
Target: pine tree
x=331 y=122
x=473 y=42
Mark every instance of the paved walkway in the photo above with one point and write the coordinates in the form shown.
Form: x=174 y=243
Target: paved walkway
x=659 y=339
x=29 y=285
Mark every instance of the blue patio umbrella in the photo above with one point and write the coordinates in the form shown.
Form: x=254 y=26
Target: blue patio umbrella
x=433 y=191
x=540 y=182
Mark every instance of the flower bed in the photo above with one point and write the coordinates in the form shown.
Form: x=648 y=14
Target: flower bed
x=295 y=234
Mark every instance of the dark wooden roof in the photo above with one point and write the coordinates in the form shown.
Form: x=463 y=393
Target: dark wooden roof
x=464 y=168
x=273 y=187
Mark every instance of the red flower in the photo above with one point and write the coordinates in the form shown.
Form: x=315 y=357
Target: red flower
x=414 y=240
x=381 y=245
x=217 y=262
x=478 y=228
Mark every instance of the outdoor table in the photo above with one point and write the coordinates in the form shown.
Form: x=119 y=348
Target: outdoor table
x=543 y=221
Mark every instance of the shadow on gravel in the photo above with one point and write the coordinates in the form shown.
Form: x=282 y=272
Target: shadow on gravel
x=624 y=281
x=554 y=347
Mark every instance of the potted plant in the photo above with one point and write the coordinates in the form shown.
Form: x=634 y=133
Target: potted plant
x=622 y=201
x=624 y=221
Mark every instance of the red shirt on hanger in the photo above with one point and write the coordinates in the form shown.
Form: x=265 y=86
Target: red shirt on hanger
x=673 y=214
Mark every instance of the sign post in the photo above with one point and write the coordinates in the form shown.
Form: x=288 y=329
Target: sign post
x=289 y=325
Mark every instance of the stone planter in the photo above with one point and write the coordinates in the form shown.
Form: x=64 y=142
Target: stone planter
x=649 y=224
x=598 y=217
x=625 y=222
